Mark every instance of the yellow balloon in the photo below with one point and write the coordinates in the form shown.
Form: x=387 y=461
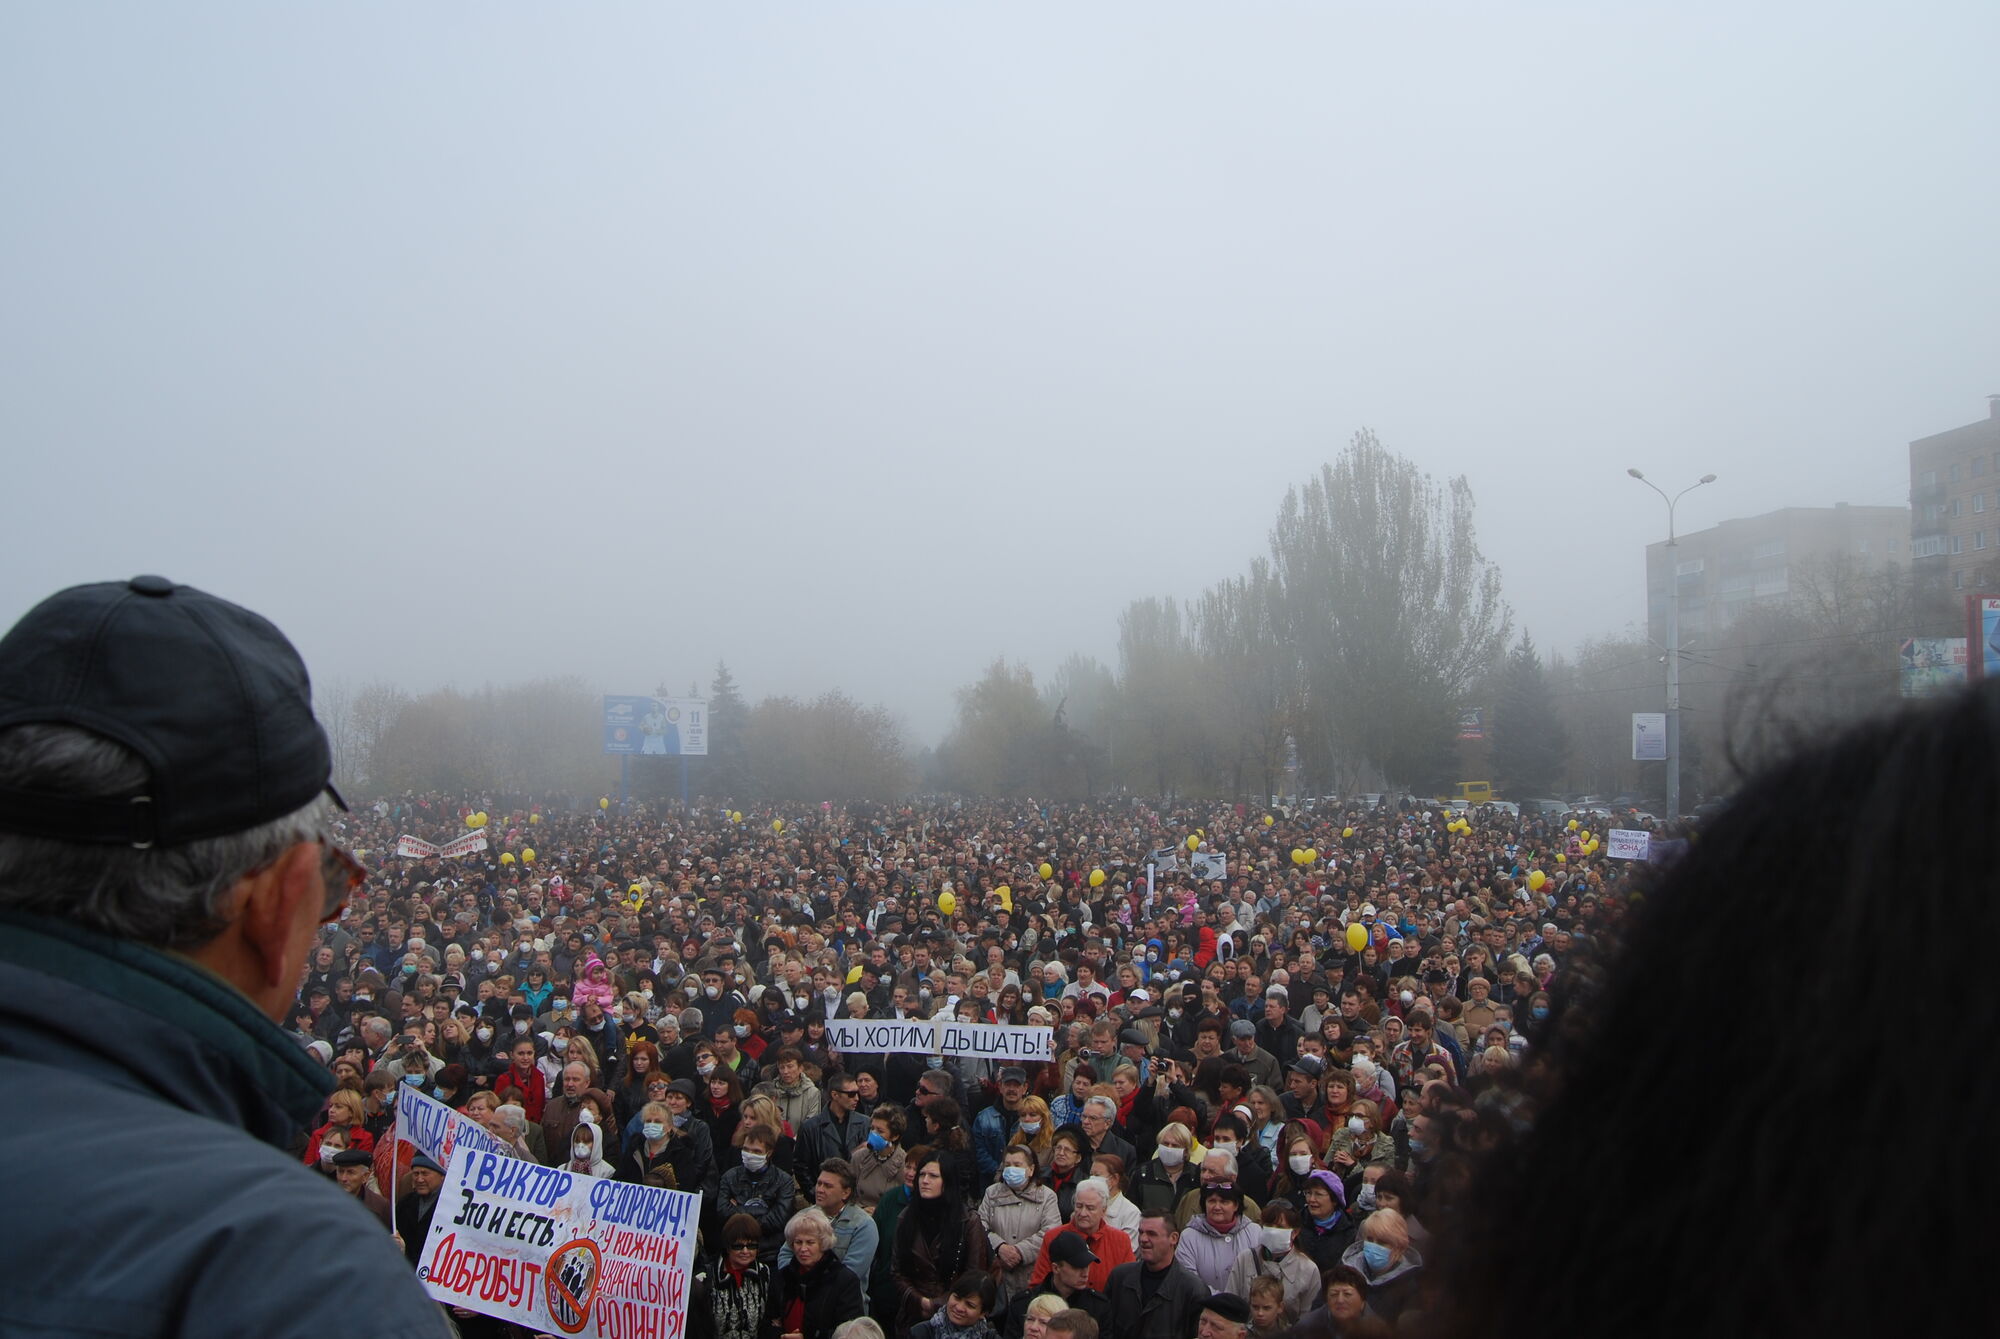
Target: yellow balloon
x=1045 y=870
x=1347 y=832
x=534 y=818
x=1561 y=859
x=1006 y=896
x=506 y=857
x=604 y=801
x=736 y=815
x=527 y=855
x=1447 y=813
x=1357 y=937
x=1097 y=878
x=472 y=820
x=1193 y=843
x=1536 y=880
x=1572 y=825
x=1312 y=855
x=777 y=825
x=1268 y=820
x=1298 y=856
x=854 y=974
x=947 y=903
x=1583 y=836
x=1592 y=848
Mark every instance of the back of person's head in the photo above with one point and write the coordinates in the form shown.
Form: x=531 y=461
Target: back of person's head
x=1073 y=1322
x=1692 y=1167
x=157 y=745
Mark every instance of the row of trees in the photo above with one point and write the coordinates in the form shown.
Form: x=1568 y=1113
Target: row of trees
x=1339 y=661
x=543 y=738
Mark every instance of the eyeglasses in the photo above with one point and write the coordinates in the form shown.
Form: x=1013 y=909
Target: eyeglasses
x=743 y=1246
x=343 y=875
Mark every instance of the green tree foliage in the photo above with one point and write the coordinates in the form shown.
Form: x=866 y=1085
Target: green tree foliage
x=831 y=748
x=1390 y=609
x=1005 y=737
x=1529 y=741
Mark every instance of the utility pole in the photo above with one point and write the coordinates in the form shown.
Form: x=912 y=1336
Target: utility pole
x=1673 y=643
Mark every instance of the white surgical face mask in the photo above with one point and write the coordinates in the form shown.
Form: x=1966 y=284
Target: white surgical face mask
x=484 y=1034
x=1300 y=1163
x=520 y=1027
x=326 y=1152
x=1277 y=1240
x=1171 y=1156
x=1031 y=1127
x=1357 y=1126
x=754 y=1162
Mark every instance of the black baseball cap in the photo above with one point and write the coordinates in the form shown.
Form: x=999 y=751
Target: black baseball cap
x=211 y=696
x=1068 y=1248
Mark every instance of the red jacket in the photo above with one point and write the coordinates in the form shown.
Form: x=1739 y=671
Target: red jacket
x=357 y=1137
x=534 y=1089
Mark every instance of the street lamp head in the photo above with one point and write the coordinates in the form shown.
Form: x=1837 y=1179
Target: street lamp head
x=1635 y=474
x=1708 y=478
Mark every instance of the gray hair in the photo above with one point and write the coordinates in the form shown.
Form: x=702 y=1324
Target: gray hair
x=813 y=1220
x=1228 y=1155
x=1105 y=1106
x=861 y=1327
x=514 y=1118
x=162 y=896
x=1096 y=1183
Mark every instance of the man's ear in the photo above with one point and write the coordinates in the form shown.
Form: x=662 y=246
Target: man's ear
x=273 y=909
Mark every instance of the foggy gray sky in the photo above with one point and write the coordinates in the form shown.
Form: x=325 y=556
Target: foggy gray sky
x=861 y=343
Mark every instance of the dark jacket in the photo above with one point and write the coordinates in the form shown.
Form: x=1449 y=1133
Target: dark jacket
x=1173 y=1312
x=1087 y=1300
x=766 y=1196
x=823 y=1137
x=141 y=1052
x=413 y=1223
x=830 y=1291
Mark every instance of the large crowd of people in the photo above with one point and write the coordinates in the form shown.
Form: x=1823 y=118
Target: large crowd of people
x=1280 y=1035
x=1310 y=1072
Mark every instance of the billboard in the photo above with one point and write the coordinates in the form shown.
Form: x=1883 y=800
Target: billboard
x=1930 y=665
x=1649 y=736
x=656 y=727
x=1472 y=723
x=1982 y=633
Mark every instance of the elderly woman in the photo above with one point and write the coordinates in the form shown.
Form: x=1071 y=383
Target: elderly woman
x=1360 y=1144
x=815 y=1293
x=1036 y=1324
x=1383 y=1254
x=1018 y=1212
x=1211 y=1242
x=1119 y=1211
x=731 y=1293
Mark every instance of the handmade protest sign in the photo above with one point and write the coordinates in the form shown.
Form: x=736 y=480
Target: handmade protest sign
x=560 y=1252
x=1628 y=844
x=926 y=1036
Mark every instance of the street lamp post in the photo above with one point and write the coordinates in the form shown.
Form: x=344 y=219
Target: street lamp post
x=1673 y=644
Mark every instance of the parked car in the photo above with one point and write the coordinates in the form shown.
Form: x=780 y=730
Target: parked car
x=1507 y=807
x=1545 y=808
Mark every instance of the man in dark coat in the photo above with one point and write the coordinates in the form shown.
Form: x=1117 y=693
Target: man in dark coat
x=168 y=852
x=414 y=1210
x=1155 y=1297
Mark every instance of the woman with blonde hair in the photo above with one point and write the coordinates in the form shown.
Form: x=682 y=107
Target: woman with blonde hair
x=1035 y=1129
x=763 y=1109
x=345 y=1110
x=1044 y=1305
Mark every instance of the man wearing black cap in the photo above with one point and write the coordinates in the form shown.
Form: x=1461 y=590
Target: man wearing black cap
x=353 y=1168
x=414 y=1210
x=167 y=857
x=1070 y=1259
x=1223 y=1316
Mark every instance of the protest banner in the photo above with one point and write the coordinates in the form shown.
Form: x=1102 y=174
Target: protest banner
x=466 y=845
x=1209 y=865
x=415 y=847
x=1627 y=844
x=924 y=1036
x=560 y=1252
x=437 y=1131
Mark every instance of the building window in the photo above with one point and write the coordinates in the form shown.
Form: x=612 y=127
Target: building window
x=1770 y=548
x=1951 y=476
x=1928 y=479
x=1978 y=502
x=1958 y=506
x=1867 y=547
x=1978 y=466
x=1933 y=511
x=1930 y=546
x=1958 y=543
x=1691 y=568
x=1895 y=544
x=1979 y=539
x=1958 y=581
